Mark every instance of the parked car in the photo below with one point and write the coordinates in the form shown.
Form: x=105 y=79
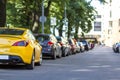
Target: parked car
x=50 y=45
x=18 y=45
x=73 y=46
x=64 y=46
x=116 y=47
x=92 y=45
x=82 y=48
x=77 y=47
x=86 y=45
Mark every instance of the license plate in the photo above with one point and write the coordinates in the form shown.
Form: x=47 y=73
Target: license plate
x=5 y=57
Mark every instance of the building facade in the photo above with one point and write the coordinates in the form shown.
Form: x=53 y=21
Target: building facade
x=112 y=31
x=107 y=23
x=98 y=23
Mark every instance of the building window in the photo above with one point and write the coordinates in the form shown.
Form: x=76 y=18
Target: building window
x=119 y=30
x=97 y=26
x=110 y=23
x=110 y=14
x=119 y=22
x=109 y=31
x=110 y=1
x=98 y=16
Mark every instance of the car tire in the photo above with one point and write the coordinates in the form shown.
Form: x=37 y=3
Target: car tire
x=54 y=54
x=40 y=62
x=118 y=49
x=65 y=52
x=60 y=54
x=32 y=64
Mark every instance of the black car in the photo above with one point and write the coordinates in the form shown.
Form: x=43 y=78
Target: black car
x=86 y=45
x=116 y=47
x=50 y=45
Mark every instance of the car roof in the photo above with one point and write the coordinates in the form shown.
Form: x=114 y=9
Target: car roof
x=13 y=31
x=40 y=34
x=13 y=28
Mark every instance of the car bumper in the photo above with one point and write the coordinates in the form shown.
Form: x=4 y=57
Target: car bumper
x=10 y=59
x=17 y=55
x=47 y=51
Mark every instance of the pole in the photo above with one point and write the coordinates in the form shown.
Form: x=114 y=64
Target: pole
x=65 y=11
x=42 y=16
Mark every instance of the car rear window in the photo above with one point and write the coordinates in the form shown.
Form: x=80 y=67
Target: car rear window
x=58 y=38
x=11 y=31
x=70 y=41
x=42 y=38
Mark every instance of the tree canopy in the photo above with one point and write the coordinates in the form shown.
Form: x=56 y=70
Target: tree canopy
x=26 y=13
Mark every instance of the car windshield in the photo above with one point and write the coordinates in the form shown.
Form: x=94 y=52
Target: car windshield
x=70 y=41
x=11 y=31
x=43 y=38
x=58 y=38
x=84 y=42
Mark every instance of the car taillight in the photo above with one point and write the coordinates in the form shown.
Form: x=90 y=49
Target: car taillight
x=72 y=46
x=20 y=43
x=61 y=43
x=50 y=43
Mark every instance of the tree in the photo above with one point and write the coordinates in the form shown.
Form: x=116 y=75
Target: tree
x=2 y=13
x=26 y=13
x=101 y=1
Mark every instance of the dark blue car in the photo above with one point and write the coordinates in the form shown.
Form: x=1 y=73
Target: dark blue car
x=50 y=45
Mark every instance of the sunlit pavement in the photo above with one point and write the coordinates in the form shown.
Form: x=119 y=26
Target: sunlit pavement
x=101 y=63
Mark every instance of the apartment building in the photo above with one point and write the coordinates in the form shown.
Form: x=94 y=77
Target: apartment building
x=107 y=23
x=98 y=24
x=112 y=31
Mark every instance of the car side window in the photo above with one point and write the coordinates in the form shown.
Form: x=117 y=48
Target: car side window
x=55 y=40
x=40 y=39
x=51 y=38
x=31 y=36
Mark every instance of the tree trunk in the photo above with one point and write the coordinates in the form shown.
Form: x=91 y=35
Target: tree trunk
x=76 y=32
x=69 y=31
x=35 y=21
x=53 y=30
x=60 y=31
x=35 y=18
x=48 y=8
x=2 y=13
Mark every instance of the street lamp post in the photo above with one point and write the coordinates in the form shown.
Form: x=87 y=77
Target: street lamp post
x=43 y=16
x=65 y=20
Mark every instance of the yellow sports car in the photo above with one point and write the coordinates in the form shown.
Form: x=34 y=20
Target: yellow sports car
x=18 y=45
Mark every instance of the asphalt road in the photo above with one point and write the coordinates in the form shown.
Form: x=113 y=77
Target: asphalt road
x=101 y=63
